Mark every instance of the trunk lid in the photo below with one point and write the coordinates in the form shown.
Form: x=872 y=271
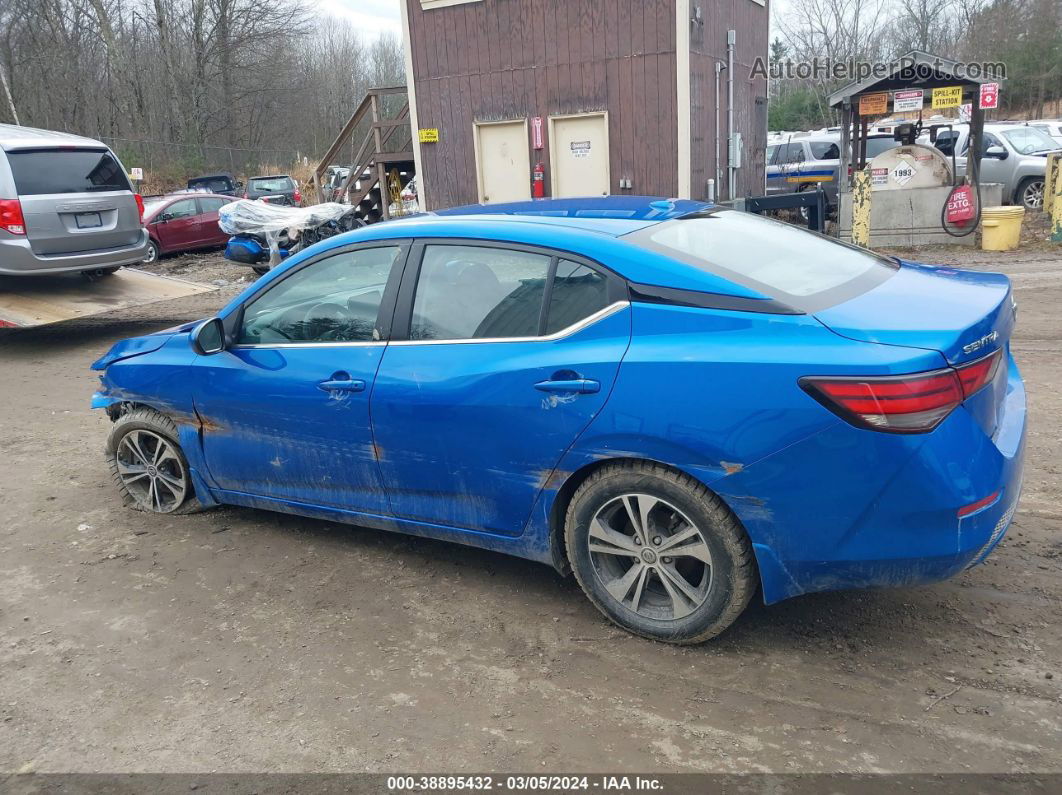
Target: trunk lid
x=962 y=314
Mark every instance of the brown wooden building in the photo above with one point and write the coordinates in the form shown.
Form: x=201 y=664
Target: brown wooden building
x=610 y=96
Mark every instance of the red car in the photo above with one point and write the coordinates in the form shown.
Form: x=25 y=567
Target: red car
x=182 y=222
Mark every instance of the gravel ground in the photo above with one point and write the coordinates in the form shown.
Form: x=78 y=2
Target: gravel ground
x=240 y=640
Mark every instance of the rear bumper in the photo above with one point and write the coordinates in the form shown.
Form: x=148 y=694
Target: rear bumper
x=18 y=259
x=857 y=509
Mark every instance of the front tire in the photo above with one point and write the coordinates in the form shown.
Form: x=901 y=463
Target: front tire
x=658 y=553
x=152 y=253
x=148 y=464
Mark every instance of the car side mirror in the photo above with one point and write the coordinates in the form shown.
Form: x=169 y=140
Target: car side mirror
x=209 y=337
x=998 y=152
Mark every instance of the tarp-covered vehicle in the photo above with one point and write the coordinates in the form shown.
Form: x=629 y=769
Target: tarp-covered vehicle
x=263 y=234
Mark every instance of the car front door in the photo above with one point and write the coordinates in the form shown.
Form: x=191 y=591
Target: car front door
x=508 y=353
x=994 y=169
x=177 y=226
x=285 y=408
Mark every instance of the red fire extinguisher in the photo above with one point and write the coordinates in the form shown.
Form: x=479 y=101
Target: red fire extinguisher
x=538 y=181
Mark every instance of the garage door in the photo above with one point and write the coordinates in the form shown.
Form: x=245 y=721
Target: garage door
x=579 y=146
x=502 y=161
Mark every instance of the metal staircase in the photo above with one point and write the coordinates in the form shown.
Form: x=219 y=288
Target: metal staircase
x=383 y=163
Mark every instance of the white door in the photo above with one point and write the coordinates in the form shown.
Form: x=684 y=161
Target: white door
x=579 y=155
x=503 y=163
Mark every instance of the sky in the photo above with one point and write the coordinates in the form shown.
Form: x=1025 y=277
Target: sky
x=371 y=17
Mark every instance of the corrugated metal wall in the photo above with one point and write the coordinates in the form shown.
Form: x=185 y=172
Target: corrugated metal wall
x=708 y=45
x=516 y=59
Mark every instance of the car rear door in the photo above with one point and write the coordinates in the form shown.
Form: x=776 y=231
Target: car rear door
x=285 y=408
x=210 y=233
x=74 y=199
x=502 y=355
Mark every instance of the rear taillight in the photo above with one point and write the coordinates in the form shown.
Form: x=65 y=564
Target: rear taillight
x=915 y=403
x=11 y=219
x=298 y=196
x=976 y=375
x=139 y=206
x=246 y=195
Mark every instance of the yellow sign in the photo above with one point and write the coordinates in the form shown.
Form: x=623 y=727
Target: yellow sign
x=947 y=97
x=429 y=135
x=874 y=104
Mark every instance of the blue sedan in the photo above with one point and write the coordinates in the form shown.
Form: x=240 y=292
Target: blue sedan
x=677 y=403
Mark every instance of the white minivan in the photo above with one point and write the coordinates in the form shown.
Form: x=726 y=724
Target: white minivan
x=66 y=205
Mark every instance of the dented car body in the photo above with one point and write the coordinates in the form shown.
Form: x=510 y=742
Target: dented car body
x=463 y=376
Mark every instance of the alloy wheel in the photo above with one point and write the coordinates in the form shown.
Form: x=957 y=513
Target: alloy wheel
x=650 y=557
x=1033 y=196
x=152 y=471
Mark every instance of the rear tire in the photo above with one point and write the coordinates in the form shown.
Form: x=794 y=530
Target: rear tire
x=149 y=465
x=261 y=270
x=1030 y=193
x=691 y=576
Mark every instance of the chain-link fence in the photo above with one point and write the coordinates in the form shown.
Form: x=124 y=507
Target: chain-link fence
x=167 y=165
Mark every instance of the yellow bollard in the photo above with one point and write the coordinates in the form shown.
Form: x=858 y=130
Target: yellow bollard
x=861 y=208
x=1053 y=196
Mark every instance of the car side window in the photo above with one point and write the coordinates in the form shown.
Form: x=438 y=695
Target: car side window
x=578 y=291
x=212 y=205
x=185 y=208
x=794 y=153
x=772 y=151
x=478 y=292
x=336 y=299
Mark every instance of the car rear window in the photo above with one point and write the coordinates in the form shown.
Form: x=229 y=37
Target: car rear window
x=272 y=184
x=875 y=146
x=210 y=184
x=777 y=259
x=41 y=171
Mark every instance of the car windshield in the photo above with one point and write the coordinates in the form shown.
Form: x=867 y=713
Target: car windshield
x=151 y=206
x=775 y=258
x=1027 y=140
x=271 y=184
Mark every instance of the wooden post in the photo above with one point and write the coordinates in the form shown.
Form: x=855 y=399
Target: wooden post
x=381 y=169
x=1053 y=196
x=861 y=208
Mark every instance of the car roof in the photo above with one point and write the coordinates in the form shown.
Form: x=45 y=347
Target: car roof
x=219 y=175
x=15 y=137
x=272 y=176
x=584 y=212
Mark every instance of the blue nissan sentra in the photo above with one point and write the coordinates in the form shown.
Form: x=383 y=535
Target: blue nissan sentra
x=675 y=402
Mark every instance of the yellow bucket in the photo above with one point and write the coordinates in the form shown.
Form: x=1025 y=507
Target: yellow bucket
x=1001 y=228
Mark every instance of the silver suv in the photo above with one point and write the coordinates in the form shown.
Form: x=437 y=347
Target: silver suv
x=1014 y=154
x=65 y=206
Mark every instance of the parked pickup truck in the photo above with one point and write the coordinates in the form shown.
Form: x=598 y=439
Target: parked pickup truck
x=1013 y=154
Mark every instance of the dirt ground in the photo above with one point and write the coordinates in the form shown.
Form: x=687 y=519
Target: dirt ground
x=244 y=641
